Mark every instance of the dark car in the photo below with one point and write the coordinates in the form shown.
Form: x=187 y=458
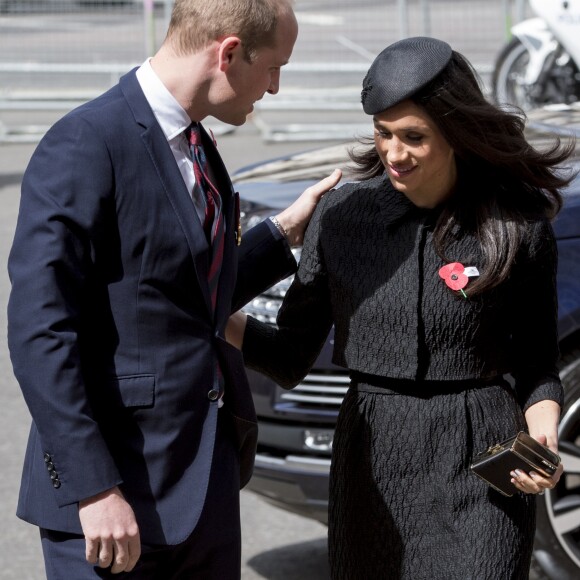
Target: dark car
x=297 y=426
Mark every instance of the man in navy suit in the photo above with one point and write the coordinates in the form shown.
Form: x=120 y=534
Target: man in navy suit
x=143 y=424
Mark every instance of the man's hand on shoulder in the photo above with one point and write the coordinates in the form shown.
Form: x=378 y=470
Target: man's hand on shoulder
x=111 y=531
x=295 y=218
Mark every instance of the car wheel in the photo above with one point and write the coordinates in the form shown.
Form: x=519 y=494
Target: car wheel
x=557 y=546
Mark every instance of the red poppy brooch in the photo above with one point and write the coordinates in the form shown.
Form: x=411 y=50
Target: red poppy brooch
x=457 y=276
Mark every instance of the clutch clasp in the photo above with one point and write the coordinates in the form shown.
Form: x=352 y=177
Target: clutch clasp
x=493 y=449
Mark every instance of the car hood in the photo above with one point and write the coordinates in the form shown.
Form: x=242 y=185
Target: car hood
x=307 y=166
x=567 y=223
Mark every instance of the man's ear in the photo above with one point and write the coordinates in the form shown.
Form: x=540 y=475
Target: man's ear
x=229 y=50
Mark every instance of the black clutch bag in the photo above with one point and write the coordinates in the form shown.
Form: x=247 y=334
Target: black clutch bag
x=520 y=452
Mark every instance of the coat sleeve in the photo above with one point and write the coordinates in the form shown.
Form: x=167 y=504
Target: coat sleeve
x=535 y=335
x=265 y=258
x=64 y=193
x=287 y=352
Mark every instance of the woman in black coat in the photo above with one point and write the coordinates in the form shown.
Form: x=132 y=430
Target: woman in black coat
x=438 y=272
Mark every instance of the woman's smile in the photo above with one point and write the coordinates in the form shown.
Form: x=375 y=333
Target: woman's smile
x=400 y=172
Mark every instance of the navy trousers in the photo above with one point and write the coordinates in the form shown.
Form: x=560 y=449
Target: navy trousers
x=212 y=551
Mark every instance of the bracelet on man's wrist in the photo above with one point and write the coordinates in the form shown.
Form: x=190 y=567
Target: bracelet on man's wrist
x=279 y=227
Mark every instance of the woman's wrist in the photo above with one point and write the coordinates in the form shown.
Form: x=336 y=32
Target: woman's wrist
x=542 y=418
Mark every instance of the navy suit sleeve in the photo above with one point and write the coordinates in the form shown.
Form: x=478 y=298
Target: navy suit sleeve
x=287 y=352
x=64 y=193
x=265 y=258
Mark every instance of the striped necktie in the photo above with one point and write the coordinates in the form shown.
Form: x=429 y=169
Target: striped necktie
x=213 y=224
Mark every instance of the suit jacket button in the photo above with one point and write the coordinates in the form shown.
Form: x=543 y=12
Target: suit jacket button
x=213 y=395
x=49 y=465
x=56 y=483
x=47 y=457
x=53 y=475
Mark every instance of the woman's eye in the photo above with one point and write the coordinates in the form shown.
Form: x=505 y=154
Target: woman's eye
x=415 y=138
x=382 y=134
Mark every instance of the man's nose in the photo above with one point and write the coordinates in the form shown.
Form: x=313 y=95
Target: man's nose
x=274 y=83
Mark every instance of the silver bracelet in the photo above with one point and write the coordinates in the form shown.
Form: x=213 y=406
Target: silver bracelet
x=279 y=227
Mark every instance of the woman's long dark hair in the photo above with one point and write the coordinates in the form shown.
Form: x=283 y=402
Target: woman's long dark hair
x=506 y=181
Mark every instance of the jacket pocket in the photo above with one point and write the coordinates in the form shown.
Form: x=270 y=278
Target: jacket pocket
x=133 y=390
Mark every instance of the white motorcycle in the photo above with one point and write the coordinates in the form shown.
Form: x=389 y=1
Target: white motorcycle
x=540 y=65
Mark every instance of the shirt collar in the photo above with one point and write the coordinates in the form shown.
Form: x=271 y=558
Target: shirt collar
x=170 y=115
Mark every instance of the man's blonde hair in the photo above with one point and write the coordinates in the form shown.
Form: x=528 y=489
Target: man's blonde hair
x=196 y=23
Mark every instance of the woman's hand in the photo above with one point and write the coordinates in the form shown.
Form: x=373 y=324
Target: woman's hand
x=235 y=329
x=534 y=482
x=542 y=419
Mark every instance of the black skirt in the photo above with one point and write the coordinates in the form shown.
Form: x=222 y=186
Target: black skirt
x=403 y=502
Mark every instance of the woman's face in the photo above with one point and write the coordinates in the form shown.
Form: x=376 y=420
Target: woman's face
x=418 y=160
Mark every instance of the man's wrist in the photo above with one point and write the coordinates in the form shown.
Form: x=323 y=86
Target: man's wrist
x=280 y=228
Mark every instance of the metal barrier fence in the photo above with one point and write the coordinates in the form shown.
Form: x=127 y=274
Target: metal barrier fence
x=55 y=54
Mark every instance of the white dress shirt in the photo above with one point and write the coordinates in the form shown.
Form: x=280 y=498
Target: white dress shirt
x=173 y=121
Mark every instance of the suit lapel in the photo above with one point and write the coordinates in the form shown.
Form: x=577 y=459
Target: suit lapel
x=173 y=185
x=230 y=264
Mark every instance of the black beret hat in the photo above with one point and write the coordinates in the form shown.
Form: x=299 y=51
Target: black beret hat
x=401 y=70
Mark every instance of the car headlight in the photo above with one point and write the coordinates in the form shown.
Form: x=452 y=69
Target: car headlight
x=265 y=306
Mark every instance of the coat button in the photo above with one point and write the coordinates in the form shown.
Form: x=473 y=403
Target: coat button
x=47 y=457
x=56 y=483
x=53 y=475
x=213 y=395
x=49 y=465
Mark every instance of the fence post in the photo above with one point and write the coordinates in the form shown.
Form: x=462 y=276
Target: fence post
x=403 y=19
x=426 y=12
x=149 y=20
x=167 y=9
x=520 y=10
x=506 y=8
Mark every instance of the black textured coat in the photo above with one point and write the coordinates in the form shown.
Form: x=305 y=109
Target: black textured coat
x=369 y=266
x=427 y=390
